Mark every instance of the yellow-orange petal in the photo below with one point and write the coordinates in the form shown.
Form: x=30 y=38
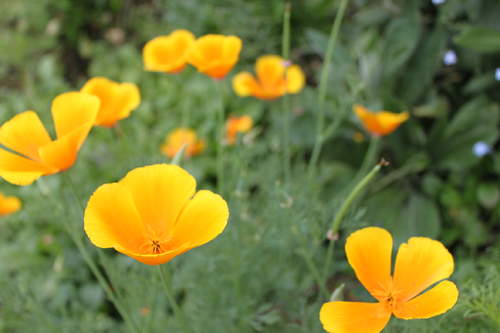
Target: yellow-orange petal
x=244 y=84
x=21 y=171
x=160 y=192
x=9 y=204
x=420 y=263
x=295 y=79
x=73 y=110
x=270 y=70
x=201 y=220
x=154 y=259
x=168 y=53
x=381 y=123
x=369 y=253
x=436 y=301
x=112 y=220
x=24 y=134
x=354 y=317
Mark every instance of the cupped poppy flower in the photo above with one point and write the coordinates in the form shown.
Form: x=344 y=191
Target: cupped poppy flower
x=168 y=53
x=235 y=125
x=380 y=123
x=215 y=55
x=416 y=290
x=153 y=214
x=118 y=100
x=179 y=138
x=274 y=78
x=32 y=153
x=9 y=204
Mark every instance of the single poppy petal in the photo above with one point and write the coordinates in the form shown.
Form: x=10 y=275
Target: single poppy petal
x=19 y=170
x=369 y=253
x=389 y=121
x=112 y=220
x=295 y=79
x=160 y=192
x=436 y=301
x=270 y=70
x=354 y=317
x=231 y=48
x=244 y=84
x=420 y=263
x=129 y=99
x=73 y=110
x=13 y=134
x=201 y=220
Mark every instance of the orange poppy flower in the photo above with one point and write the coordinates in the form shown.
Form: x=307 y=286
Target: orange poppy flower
x=180 y=137
x=9 y=204
x=168 y=53
x=215 y=55
x=380 y=123
x=420 y=264
x=153 y=214
x=235 y=125
x=274 y=79
x=32 y=153
x=118 y=100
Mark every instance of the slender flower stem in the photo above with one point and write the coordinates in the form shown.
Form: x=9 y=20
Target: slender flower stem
x=356 y=191
x=286 y=99
x=93 y=266
x=370 y=156
x=219 y=138
x=325 y=73
x=167 y=287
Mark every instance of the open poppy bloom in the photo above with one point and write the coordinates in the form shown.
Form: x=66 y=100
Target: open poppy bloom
x=153 y=214
x=421 y=264
x=380 y=123
x=168 y=53
x=274 y=79
x=215 y=55
x=235 y=125
x=118 y=100
x=32 y=153
x=180 y=137
x=9 y=204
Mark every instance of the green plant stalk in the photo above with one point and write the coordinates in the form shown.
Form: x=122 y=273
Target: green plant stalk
x=219 y=138
x=356 y=191
x=93 y=266
x=285 y=52
x=167 y=287
x=325 y=73
x=370 y=156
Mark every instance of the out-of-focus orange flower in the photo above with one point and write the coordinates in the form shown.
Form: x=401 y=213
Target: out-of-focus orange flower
x=215 y=55
x=32 y=152
x=9 y=204
x=168 y=53
x=235 y=125
x=380 y=123
x=420 y=263
x=153 y=214
x=274 y=79
x=180 y=137
x=118 y=100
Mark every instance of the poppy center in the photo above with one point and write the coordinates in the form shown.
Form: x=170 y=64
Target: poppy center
x=156 y=246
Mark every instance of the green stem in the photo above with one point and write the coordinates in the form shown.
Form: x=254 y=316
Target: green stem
x=93 y=266
x=356 y=191
x=325 y=73
x=219 y=139
x=286 y=99
x=370 y=156
x=167 y=287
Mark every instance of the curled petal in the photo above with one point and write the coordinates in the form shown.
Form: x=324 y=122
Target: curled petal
x=436 y=301
x=354 y=317
x=295 y=79
x=19 y=170
x=73 y=110
x=369 y=252
x=420 y=263
x=244 y=84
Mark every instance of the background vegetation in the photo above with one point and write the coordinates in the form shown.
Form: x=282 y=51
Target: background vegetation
x=261 y=274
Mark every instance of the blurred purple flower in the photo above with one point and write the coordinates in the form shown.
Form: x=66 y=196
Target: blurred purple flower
x=450 y=58
x=481 y=149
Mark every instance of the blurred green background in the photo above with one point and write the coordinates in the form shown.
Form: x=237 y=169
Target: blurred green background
x=436 y=60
